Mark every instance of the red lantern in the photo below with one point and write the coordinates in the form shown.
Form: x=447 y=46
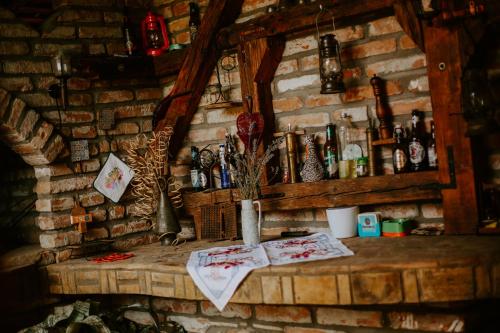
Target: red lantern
x=154 y=34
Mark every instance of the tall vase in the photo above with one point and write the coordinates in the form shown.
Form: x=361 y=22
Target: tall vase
x=167 y=225
x=250 y=222
x=313 y=168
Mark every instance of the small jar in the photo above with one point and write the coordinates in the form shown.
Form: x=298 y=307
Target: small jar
x=362 y=167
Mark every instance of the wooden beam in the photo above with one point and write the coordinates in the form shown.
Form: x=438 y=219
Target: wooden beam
x=444 y=68
x=302 y=19
x=406 y=15
x=258 y=61
x=331 y=193
x=178 y=109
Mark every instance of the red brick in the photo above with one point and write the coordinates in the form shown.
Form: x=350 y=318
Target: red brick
x=4 y=102
x=14 y=48
x=61 y=32
x=53 y=170
x=88 y=166
x=231 y=310
x=16 y=83
x=70 y=117
x=115 y=96
x=287 y=104
x=91 y=199
x=116 y=212
x=125 y=128
x=426 y=322
x=78 y=83
x=213 y=133
x=54 y=204
x=369 y=49
x=396 y=65
x=53 y=221
x=16 y=110
x=173 y=305
x=352 y=73
x=286 y=67
x=64 y=185
x=289 y=329
x=316 y=119
x=115 y=47
x=180 y=9
x=84 y=132
x=304 y=81
x=113 y=17
x=52 y=240
x=405 y=106
x=250 y=5
x=16 y=30
x=178 y=25
x=148 y=93
x=166 y=12
x=183 y=37
x=309 y=62
x=95 y=233
x=37 y=142
x=95 y=49
x=80 y=99
x=345 y=317
x=300 y=45
x=349 y=34
x=386 y=25
x=26 y=66
x=81 y=16
x=104 y=146
x=292 y=314
x=128 y=228
x=28 y=124
x=100 y=32
x=432 y=210
x=47 y=49
x=322 y=100
x=405 y=43
x=98 y=214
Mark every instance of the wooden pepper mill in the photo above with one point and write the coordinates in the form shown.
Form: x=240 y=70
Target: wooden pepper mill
x=291 y=151
x=382 y=109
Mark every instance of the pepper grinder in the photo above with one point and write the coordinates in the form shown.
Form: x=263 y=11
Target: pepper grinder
x=382 y=109
x=291 y=152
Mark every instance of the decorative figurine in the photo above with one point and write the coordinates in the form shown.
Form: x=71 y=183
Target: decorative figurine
x=313 y=169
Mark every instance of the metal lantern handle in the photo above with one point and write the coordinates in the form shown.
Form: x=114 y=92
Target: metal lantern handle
x=322 y=10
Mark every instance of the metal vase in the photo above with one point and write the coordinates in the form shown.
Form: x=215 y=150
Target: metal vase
x=167 y=224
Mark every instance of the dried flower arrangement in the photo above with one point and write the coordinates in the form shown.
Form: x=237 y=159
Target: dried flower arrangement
x=150 y=165
x=249 y=168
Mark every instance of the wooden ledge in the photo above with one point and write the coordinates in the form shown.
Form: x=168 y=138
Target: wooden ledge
x=382 y=271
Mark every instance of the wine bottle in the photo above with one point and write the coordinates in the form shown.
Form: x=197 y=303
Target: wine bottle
x=399 y=152
x=331 y=153
x=415 y=147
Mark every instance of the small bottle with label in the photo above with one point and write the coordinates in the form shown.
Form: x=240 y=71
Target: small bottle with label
x=431 y=149
x=331 y=153
x=195 y=169
x=399 y=152
x=415 y=145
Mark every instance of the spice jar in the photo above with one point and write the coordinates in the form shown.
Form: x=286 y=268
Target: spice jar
x=362 y=167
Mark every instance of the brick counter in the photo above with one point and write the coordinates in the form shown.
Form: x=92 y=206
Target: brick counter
x=382 y=271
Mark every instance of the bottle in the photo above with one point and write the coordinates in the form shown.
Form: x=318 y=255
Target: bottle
x=194 y=20
x=195 y=169
x=344 y=134
x=399 y=153
x=224 y=168
x=127 y=33
x=331 y=153
x=415 y=146
x=431 y=150
x=230 y=159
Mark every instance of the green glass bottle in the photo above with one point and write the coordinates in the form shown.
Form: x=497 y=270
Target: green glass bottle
x=331 y=153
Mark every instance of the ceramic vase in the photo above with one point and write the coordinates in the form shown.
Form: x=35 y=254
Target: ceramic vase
x=313 y=168
x=250 y=221
x=167 y=225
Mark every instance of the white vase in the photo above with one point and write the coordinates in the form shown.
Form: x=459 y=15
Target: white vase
x=250 y=222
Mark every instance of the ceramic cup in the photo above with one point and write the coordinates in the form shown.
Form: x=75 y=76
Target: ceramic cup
x=343 y=221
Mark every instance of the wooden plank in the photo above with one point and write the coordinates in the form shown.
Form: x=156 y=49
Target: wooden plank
x=258 y=61
x=169 y=63
x=302 y=19
x=331 y=193
x=406 y=15
x=444 y=68
x=195 y=72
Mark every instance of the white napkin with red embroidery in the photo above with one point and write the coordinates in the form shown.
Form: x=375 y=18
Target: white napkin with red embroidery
x=217 y=272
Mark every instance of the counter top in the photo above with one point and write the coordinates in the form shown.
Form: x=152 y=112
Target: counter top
x=416 y=269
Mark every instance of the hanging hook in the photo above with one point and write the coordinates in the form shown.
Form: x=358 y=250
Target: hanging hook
x=322 y=10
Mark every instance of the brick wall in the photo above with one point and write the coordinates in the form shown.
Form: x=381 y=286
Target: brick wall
x=81 y=28
x=378 y=47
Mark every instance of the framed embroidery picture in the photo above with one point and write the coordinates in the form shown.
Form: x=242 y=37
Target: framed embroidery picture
x=113 y=179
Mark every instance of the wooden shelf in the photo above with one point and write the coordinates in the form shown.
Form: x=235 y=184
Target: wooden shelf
x=331 y=193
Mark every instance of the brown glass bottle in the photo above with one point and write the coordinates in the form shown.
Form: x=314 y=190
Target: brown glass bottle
x=431 y=150
x=331 y=153
x=416 y=148
x=399 y=152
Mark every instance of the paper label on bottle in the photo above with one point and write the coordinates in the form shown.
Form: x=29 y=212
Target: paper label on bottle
x=431 y=152
x=417 y=152
x=195 y=178
x=203 y=180
x=331 y=164
x=399 y=159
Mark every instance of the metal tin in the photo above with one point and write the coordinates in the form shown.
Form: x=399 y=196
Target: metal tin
x=396 y=227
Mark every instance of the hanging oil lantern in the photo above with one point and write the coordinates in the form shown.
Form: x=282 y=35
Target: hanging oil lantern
x=154 y=34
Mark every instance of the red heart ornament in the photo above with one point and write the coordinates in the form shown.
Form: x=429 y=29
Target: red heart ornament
x=250 y=128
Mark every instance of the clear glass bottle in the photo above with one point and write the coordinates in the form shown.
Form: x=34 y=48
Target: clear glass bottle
x=345 y=129
x=431 y=149
x=331 y=153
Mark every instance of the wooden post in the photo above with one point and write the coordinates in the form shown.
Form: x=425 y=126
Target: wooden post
x=444 y=68
x=259 y=59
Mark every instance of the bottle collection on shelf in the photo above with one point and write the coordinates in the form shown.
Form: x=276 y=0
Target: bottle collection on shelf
x=343 y=158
